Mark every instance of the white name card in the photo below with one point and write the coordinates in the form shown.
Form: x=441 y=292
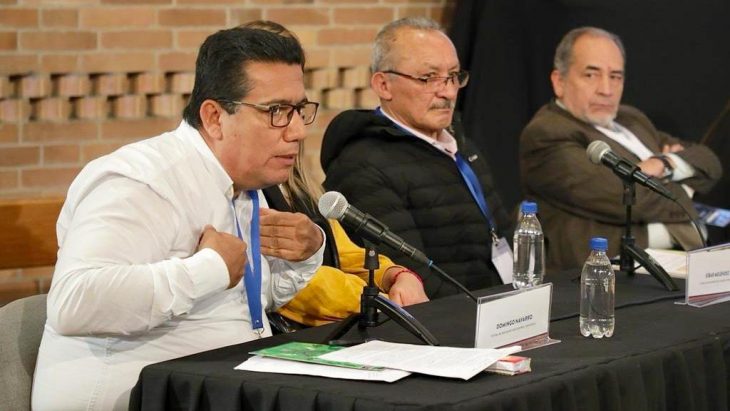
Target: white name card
x=520 y=317
x=708 y=276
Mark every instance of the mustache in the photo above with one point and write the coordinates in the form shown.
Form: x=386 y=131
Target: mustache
x=443 y=104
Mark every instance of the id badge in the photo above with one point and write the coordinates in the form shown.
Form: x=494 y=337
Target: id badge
x=502 y=259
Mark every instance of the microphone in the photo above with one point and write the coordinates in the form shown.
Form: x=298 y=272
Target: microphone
x=333 y=204
x=599 y=152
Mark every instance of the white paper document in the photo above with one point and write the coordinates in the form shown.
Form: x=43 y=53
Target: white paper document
x=275 y=365
x=448 y=362
x=674 y=262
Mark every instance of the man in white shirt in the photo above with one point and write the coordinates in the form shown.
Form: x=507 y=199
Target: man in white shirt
x=155 y=238
x=579 y=199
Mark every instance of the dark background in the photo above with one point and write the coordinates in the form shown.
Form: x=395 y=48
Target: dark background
x=678 y=70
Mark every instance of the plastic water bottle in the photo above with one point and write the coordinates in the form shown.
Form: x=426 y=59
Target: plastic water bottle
x=597 y=292
x=529 y=249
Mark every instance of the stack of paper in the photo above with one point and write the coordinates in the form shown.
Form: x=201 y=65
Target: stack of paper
x=275 y=365
x=374 y=360
x=303 y=359
x=448 y=362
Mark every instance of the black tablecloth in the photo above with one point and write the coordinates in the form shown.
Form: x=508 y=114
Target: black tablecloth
x=662 y=356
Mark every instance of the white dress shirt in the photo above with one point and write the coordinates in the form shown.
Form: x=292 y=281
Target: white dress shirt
x=129 y=289
x=658 y=235
x=622 y=135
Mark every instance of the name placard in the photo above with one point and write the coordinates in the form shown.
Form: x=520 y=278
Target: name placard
x=520 y=317
x=708 y=276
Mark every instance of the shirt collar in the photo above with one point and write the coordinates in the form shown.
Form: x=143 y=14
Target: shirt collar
x=192 y=136
x=445 y=142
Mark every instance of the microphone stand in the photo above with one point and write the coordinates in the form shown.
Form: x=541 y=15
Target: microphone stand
x=370 y=302
x=630 y=252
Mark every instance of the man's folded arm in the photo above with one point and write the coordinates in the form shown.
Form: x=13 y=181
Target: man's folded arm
x=114 y=273
x=559 y=171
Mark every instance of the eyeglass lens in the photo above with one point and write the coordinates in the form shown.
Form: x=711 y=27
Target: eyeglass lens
x=458 y=79
x=282 y=114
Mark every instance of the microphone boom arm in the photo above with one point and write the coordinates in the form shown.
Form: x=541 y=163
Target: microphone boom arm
x=412 y=252
x=334 y=205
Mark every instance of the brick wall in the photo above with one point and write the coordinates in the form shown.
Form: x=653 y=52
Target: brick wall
x=80 y=78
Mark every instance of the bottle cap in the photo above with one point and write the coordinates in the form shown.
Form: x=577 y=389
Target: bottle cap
x=529 y=207
x=599 y=243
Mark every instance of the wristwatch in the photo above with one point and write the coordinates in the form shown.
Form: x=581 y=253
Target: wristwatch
x=668 y=168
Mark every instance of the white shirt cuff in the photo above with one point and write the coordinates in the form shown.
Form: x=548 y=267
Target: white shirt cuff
x=208 y=273
x=682 y=169
x=312 y=263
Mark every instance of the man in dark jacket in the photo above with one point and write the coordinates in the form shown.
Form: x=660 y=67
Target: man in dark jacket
x=406 y=163
x=579 y=199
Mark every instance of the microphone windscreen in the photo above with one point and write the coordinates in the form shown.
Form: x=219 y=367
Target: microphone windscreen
x=332 y=205
x=596 y=150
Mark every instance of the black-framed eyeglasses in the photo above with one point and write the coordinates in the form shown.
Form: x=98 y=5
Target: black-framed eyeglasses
x=281 y=113
x=435 y=83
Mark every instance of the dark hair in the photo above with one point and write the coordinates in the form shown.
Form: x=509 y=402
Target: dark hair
x=564 y=52
x=269 y=25
x=220 y=70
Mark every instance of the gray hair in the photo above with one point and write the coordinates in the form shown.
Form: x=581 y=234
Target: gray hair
x=382 y=59
x=564 y=52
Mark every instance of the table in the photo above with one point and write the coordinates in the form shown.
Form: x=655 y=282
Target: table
x=662 y=356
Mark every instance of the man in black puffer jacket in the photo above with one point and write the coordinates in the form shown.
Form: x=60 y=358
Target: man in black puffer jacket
x=406 y=164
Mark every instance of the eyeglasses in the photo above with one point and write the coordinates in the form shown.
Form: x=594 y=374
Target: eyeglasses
x=434 y=83
x=281 y=113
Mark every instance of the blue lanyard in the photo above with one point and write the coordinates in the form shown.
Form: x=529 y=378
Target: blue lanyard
x=471 y=182
x=252 y=279
x=476 y=189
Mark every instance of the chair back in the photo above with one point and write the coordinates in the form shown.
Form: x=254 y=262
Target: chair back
x=21 y=329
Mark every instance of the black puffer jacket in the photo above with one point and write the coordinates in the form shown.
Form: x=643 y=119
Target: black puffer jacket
x=419 y=193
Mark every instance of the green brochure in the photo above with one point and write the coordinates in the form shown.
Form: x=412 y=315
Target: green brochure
x=308 y=352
